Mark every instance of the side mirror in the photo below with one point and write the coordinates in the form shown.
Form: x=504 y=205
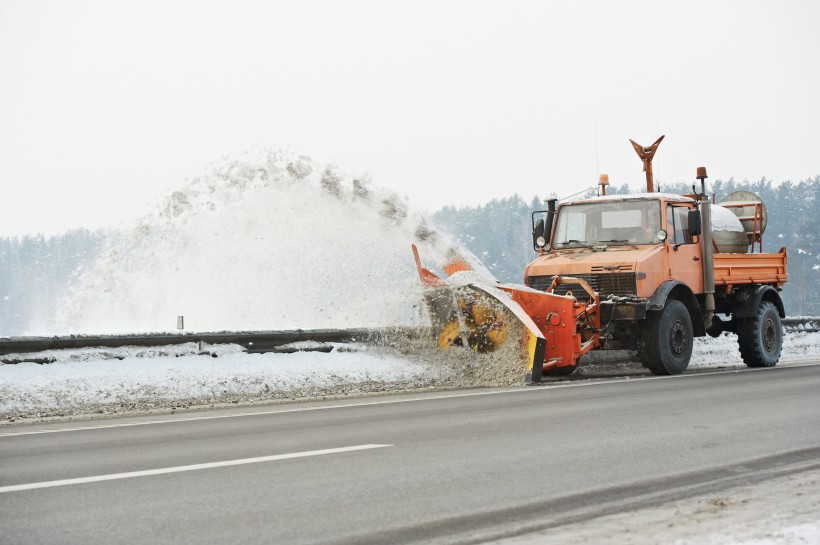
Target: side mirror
x=695 y=227
x=539 y=239
x=542 y=229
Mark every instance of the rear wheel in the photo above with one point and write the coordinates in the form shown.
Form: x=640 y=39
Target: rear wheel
x=667 y=340
x=760 y=338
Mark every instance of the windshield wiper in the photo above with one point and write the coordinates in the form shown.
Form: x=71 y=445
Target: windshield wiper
x=572 y=241
x=623 y=241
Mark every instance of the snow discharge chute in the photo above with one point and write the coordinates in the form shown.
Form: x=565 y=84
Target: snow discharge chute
x=544 y=331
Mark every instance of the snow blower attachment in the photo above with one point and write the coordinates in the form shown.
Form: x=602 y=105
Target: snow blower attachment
x=548 y=332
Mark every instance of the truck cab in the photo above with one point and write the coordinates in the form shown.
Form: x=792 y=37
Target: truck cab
x=625 y=247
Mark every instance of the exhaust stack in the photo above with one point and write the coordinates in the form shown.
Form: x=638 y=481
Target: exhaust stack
x=706 y=249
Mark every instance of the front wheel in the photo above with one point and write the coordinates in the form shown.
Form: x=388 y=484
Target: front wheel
x=760 y=337
x=667 y=340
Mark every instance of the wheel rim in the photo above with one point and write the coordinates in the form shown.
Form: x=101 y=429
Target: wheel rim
x=677 y=338
x=769 y=336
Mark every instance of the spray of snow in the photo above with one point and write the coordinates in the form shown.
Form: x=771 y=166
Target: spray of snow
x=267 y=241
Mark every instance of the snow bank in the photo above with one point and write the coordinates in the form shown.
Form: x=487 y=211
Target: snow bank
x=797 y=345
x=707 y=352
x=779 y=511
x=122 y=379
x=98 y=380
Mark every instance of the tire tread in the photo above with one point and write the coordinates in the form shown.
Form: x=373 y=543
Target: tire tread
x=749 y=341
x=651 y=352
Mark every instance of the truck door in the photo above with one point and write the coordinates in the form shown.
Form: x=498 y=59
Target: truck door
x=685 y=261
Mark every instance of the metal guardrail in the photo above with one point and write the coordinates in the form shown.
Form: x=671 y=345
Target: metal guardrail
x=802 y=323
x=253 y=341
x=256 y=341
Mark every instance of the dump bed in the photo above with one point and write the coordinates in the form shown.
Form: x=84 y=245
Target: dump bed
x=736 y=269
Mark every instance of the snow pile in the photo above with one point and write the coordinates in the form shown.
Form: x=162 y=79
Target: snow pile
x=268 y=241
x=707 y=352
x=779 y=511
x=797 y=345
x=84 y=381
x=129 y=378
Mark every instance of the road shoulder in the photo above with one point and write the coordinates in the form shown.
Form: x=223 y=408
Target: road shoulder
x=780 y=511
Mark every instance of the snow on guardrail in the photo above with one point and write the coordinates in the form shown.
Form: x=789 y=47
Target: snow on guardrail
x=252 y=341
x=255 y=341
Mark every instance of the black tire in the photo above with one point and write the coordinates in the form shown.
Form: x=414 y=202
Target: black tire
x=760 y=338
x=667 y=340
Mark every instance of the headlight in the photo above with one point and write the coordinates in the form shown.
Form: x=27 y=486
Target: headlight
x=541 y=242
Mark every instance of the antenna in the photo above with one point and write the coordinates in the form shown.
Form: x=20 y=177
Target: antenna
x=657 y=130
x=597 y=169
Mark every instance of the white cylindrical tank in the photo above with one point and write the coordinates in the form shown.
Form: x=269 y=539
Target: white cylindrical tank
x=728 y=232
x=750 y=210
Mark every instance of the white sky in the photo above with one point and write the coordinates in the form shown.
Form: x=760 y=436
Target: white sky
x=107 y=105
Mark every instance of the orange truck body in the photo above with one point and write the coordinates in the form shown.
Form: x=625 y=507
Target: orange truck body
x=634 y=278
x=582 y=296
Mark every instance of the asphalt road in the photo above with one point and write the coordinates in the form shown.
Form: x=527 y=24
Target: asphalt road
x=445 y=468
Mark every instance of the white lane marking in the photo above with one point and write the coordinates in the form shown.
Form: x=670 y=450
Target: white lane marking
x=179 y=469
x=543 y=387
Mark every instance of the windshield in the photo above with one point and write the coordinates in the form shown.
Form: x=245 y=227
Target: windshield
x=609 y=223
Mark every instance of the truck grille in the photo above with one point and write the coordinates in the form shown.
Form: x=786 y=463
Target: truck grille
x=605 y=284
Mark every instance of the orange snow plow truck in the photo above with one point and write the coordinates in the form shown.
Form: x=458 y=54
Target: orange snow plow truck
x=645 y=272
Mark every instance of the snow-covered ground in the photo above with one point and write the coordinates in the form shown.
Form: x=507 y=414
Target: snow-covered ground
x=781 y=511
x=710 y=352
x=111 y=380
x=133 y=379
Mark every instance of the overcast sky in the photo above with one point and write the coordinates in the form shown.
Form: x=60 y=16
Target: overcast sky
x=107 y=105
